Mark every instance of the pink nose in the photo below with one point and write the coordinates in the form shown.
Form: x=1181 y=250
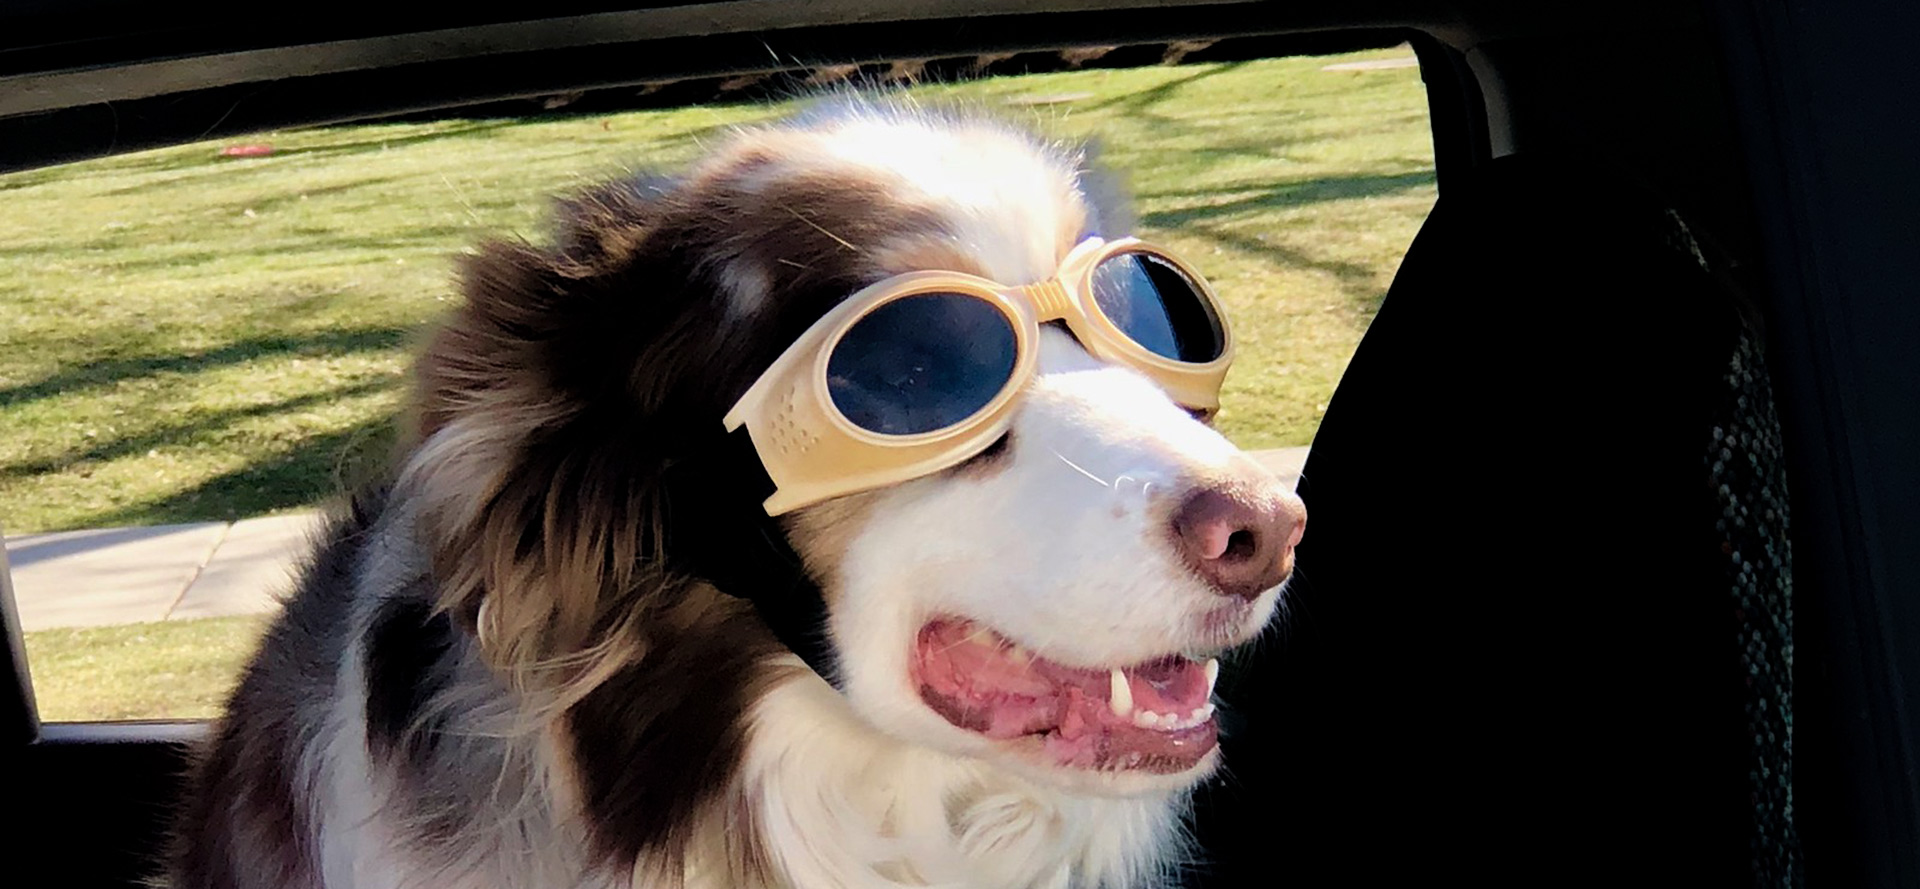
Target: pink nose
x=1240 y=540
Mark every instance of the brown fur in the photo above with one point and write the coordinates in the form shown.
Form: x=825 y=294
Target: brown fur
x=245 y=802
x=569 y=532
x=822 y=533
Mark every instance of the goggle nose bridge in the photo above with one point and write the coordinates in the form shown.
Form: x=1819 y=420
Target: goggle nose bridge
x=1049 y=300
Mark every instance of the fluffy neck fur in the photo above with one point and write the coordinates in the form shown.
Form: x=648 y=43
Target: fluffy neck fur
x=817 y=797
x=835 y=803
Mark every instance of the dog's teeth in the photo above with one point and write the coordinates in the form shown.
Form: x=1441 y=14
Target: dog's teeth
x=1172 y=722
x=1213 y=674
x=1020 y=655
x=1120 y=694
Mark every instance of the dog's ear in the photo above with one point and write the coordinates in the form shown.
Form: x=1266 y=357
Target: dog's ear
x=534 y=460
x=602 y=228
x=533 y=315
x=1109 y=205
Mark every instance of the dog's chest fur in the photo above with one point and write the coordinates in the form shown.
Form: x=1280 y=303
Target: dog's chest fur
x=842 y=805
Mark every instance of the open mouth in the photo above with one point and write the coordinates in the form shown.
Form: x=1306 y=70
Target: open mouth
x=1155 y=716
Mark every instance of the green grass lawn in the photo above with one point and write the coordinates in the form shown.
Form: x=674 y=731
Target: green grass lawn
x=192 y=337
x=175 y=669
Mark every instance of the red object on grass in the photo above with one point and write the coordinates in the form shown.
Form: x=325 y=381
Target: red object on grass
x=250 y=150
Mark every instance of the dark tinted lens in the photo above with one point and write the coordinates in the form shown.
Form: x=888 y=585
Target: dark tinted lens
x=921 y=363
x=1157 y=306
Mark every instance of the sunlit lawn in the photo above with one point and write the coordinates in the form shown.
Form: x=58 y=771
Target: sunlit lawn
x=177 y=669
x=192 y=337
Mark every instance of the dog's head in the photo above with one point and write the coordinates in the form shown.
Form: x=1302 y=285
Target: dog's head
x=1053 y=604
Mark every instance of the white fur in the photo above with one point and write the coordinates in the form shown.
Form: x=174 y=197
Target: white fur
x=747 y=285
x=1065 y=550
x=847 y=806
x=977 y=175
x=974 y=173
x=534 y=843
x=1071 y=561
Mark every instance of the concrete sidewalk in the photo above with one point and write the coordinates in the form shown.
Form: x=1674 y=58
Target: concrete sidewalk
x=163 y=572
x=210 y=569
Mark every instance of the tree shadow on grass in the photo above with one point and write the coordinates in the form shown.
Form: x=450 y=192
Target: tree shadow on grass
x=341 y=241
x=182 y=434
x=198 y=167
x=313 y=471
x=293 y=196
x=372 y=141
x=1140 y=101
x=1285 y=195
x=100 y=374
x=1360 y=282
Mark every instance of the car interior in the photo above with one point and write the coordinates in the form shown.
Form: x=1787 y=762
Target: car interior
x=1612 y=510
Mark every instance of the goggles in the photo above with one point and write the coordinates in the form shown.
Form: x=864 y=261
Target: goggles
x=921 y=371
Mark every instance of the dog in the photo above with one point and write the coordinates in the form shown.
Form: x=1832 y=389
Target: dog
x=826 y=515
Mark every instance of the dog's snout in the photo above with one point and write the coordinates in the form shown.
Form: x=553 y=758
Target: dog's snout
x=1240 y=540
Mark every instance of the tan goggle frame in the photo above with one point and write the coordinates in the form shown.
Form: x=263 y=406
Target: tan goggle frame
x=814 y=453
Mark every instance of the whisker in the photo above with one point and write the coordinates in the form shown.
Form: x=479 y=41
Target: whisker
x=1076 y=468
x=462 y=198
x=822 y=229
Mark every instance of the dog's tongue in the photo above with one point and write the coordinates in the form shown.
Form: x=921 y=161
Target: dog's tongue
x=1156 y=716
